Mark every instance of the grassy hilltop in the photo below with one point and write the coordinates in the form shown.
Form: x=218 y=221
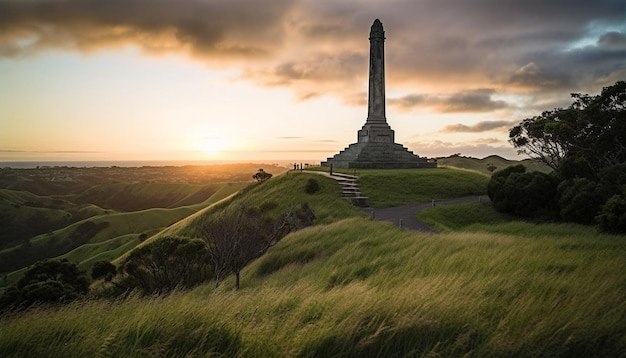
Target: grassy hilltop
x=351 y=286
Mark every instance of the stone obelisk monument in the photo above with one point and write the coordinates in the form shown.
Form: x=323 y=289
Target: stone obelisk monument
x=376 y=147
x=376 y=128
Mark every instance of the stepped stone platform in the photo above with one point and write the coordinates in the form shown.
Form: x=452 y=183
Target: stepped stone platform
x=373 y=155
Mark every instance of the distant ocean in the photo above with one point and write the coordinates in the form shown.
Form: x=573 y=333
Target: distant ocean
x=138 y=163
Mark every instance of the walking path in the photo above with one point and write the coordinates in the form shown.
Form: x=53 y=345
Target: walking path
x=403 y=216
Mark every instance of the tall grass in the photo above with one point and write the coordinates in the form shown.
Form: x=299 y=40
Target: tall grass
x=355 y=287
x=358 y=287
x=387 y=188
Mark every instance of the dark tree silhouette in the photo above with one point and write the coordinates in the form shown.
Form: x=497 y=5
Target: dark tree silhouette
x=235 y=239
x=55 y=281
x=166 y=264
x=261 y=176
x=592 y=129
x=103 y=269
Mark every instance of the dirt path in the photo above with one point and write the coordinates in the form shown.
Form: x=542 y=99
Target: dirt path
x=404 y=215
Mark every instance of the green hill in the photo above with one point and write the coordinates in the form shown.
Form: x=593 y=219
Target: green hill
x=141 y=196
x=494 y=161
x=351 y=286
x=24 y=215
x=101 y=228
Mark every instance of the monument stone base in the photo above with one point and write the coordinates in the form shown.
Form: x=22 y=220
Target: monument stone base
x=377 y=155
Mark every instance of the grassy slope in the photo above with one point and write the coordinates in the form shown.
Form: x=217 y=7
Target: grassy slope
x=141 y=196
x=387 y=188
x=481 y=165
x=352 y=286
x=284 y=192
x=23 y=215
x=118 y=227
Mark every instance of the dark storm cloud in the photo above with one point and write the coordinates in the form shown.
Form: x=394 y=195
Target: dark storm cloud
x=613 y=40
x=489 y=42
x=471 y=101
x=322 y=67
x=483 y=126
x=319 y=48
x=200 y=28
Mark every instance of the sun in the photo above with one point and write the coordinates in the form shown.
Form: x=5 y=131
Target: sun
x=212 y=145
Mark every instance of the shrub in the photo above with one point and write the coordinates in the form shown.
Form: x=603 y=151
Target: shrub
x=103 y=269
x=514 y=191
x=312 y=186
x=261 y=176
x=612 y=216
x=166 y=264
x=579 y=201
x=57 y=281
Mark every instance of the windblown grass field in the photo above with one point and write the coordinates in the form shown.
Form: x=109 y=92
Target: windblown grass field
x=351 y=286
x=393 y=187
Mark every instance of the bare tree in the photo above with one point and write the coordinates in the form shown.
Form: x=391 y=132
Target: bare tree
x=235 y=239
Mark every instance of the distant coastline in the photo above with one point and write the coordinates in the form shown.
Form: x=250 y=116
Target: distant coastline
x=136 y=163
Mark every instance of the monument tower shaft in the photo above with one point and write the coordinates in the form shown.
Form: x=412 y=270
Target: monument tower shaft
x=376 y=99
x=376 y=128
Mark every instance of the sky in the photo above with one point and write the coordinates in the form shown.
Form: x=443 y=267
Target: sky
x=249 y=80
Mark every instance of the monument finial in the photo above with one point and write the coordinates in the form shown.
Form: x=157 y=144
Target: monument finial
x=377 y=30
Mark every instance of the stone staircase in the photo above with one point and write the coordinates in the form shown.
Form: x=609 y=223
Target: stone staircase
x=350 y=189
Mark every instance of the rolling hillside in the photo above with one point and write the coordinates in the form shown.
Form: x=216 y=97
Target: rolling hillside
x=141 y=196
x=24 y=215
x=102 y=228
x=494 y=161
x=351 y=286
x=48 y=212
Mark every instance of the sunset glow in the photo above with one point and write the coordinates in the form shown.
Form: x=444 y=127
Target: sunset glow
x=281 y=80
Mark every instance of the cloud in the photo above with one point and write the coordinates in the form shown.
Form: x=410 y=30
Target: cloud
x=473 y=101
x=483 y=126
x=531 y=76
x=411 y=101
x=470 y=101
x=219 y=29
x=613 y=40
x=321 y=48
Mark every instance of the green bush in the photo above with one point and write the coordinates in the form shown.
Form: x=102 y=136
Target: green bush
x=514 y=191
x=166 y=264
x=579 y=200
x=55 y=281
x=312 y=186
x=103 y=269
x=612 y=216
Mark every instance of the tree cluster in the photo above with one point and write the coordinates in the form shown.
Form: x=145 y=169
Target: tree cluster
x=47 y=281
x=592 y=130
x=585 y=145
